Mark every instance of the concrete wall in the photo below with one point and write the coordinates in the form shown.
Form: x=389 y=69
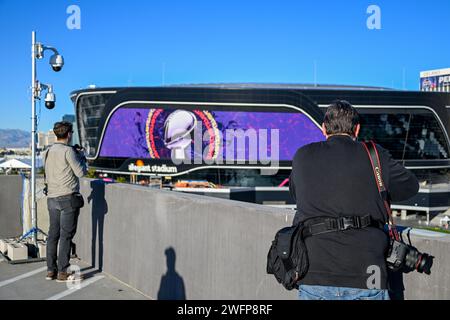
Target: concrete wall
x=12 y=219
x=437 y=285
x=10 y=208
x=174 y=245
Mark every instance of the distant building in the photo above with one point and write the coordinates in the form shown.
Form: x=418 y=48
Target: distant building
x=42 y=140
x=435 y=80
x=46 y=139
x=51 y=138
x=69 y=118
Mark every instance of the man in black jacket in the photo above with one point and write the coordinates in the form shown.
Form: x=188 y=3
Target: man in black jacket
x=334 y=179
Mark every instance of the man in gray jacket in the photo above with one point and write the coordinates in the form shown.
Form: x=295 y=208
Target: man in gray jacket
x=64 y=165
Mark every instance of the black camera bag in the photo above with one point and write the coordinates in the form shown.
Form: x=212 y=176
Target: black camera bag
x=287 y=259
x=77 y=200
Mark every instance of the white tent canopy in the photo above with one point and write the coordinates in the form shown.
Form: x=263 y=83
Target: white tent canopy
x=14 y=164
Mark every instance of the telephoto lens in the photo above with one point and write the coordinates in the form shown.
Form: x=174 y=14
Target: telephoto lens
x=407 y=258
x=421 y=262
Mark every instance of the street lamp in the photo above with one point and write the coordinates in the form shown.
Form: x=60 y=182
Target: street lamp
x=56 y=62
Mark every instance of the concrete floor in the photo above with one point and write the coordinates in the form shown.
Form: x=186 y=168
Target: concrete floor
x=27 y=282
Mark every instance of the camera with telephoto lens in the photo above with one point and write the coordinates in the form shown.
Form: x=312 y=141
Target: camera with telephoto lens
x=80 y=151
x=406 y=258
x=78 y=148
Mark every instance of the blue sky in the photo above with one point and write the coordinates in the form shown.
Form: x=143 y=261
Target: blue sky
x=130 y=43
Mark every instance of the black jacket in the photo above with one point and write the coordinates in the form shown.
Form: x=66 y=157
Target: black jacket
x=334 y=178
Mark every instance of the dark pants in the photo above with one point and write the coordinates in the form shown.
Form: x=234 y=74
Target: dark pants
x=63 y=225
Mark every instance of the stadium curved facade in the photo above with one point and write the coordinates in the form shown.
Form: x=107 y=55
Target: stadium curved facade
x=133 y=130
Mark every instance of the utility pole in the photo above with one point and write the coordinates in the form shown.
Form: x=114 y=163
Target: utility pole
x=56 y=62
x=33 y=137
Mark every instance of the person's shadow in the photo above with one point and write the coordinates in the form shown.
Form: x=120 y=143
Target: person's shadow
x=99 y=210
x=172 y=284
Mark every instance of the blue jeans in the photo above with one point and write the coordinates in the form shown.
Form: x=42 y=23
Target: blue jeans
x=307 y=292
x=63 y=226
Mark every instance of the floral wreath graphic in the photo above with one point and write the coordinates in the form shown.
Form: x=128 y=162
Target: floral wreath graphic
x=204 y=116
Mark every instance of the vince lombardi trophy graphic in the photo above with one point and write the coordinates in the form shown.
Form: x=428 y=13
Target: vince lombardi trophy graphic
x=177 y=133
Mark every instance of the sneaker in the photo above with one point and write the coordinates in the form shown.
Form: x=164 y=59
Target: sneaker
x=65 y=277
x=51 y=275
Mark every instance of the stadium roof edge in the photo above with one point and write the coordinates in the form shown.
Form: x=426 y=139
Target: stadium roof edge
x=250 y=85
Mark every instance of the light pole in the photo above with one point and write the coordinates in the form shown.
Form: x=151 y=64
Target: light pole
x=57 y=62
x=33 y=138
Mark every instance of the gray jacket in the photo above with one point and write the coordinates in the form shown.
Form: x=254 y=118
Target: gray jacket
x=63 y=168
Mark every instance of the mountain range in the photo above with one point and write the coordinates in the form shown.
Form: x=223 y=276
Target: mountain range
x=14 y=138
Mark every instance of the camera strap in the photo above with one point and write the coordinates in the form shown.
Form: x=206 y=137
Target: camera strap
x=45 y=163
x=372 y=151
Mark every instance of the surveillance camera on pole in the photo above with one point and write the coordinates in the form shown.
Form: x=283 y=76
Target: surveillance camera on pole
x=50 y=98
x=56 y=62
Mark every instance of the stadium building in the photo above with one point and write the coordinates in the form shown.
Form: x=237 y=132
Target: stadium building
x=140 y=131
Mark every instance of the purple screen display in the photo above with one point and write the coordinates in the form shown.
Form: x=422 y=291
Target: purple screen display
x=154 y=132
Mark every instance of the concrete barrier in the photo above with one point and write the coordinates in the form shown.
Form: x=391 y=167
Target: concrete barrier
x=17 y=251
x=436 y=286
x=4 y=245
x=172 y=245
x=10 y=206
x=42 y=246
x=13 y=217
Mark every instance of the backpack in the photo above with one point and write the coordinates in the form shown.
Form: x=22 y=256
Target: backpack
x=287 y=259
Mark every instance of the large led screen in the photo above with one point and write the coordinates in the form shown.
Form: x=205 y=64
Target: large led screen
x=152 y=133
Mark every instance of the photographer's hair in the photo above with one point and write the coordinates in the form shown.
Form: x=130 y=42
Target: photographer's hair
x=341 y=118
x=62 y=129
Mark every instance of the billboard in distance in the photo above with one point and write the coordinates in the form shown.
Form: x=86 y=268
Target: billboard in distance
x=435 y=80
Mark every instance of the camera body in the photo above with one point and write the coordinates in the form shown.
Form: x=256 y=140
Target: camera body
x=407 y=258
x=78 y=148
x=80 y=151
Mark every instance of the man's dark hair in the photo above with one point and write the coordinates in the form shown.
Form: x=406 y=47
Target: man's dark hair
x=341 y=117
x=62 y=129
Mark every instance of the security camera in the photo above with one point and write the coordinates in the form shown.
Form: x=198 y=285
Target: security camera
x=50 y=99
x=57 y=62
